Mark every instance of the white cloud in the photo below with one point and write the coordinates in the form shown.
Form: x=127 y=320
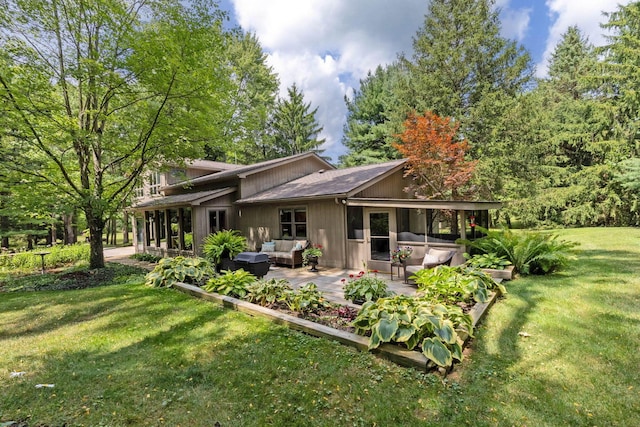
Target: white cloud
x=586 y=14
x=326 y=46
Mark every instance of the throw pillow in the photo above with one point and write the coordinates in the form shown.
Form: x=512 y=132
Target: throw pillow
x=268 y=247
x=430 y=260
x=441 y=255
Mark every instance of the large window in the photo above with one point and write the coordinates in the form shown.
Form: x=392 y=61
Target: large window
x=355 y=222
x=217 y=220
x=411 y=224
x=154 y=183
x=293 y=223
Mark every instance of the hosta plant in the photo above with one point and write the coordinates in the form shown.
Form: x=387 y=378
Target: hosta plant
x=364 y=287
x=416 y=323
x=450 y=285
x=307 y=298
x=179 y=269
x=232 y=283
x=267 y=292
x=490 y=260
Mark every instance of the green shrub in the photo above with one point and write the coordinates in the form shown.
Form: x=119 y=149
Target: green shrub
x=416 y=323
x=306 y=299
x=450 y=285
x=146 y=257
x=267 y=292
x=231 y=283
x=58 y=256
x=223 y=244
x=530 y=252
x=178 y=269
x=490 y=260
x=364 y=287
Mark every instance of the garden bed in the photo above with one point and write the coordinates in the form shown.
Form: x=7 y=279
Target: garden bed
x=394 y=353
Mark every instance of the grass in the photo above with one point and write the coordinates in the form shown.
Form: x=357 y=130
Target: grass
x=131 y=355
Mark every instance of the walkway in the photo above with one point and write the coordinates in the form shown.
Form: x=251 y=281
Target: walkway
x=328 y=280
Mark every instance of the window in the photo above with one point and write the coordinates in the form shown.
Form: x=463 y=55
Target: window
x=411 y=224
x=293 y=223
x=217 y=220
x=154 y=183
x=355 y=222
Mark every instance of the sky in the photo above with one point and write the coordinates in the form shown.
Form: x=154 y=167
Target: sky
x=327 y=46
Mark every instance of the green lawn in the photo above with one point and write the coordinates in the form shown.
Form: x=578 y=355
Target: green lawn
x=131 y=355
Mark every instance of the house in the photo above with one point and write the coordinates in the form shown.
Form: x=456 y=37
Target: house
x=358 y=215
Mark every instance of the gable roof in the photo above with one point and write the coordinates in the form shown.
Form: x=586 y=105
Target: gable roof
x=244 y=171
x=193 y=199
x=327 y=184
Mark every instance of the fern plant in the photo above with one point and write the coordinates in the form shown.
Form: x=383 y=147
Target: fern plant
x=529 y=252
x=223 y=244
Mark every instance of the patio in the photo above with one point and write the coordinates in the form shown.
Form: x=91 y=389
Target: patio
x=329 y=280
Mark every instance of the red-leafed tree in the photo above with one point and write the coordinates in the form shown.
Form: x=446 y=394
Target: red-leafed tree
x=436 y=157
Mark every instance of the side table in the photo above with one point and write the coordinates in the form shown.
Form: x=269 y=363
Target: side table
x=402 y=267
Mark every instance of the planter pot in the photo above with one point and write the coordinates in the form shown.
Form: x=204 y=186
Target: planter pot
x=313 y=262
x=505 y=274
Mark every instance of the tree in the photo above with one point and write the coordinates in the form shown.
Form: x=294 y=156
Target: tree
x=436 y=157
x=95 y=92
x=369 y=130
x=252 y=101
x=295 y=128
x=464 y=69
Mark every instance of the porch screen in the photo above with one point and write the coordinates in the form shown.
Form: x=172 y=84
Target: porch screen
x=355 y=222
x=411 y=225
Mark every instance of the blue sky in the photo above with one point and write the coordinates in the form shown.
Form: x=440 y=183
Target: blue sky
x=327 y=46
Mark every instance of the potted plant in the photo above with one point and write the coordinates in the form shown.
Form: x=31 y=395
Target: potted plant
x=363 y=287
x=310 y=256
x=222 y=246
x=401 y=254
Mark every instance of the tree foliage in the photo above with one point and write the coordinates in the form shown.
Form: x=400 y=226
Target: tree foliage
x=436 y=157
x=94 y=92
x=295 y=128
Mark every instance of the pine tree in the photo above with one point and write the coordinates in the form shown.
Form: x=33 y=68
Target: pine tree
x=295 y=128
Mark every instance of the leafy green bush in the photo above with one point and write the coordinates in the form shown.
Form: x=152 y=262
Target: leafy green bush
x=58 y=256
x=490 y=260
x=223 y=244
x=178 y=269
x=450 y=285
x=267 y=292
x=146 y=257
x=231 y=283
x=530 y=252
x=416 y=323
x=364 y=287
x=306 y=299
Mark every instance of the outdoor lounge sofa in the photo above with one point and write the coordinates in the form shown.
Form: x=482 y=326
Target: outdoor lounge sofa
x=433 y=258
x=287 y=252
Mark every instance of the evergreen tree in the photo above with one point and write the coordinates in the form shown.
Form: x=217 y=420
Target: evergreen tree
x=462 y=68
x=294 y=126
x=369 y=129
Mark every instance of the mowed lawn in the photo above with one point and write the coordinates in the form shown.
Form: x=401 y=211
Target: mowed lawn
x=557 y=350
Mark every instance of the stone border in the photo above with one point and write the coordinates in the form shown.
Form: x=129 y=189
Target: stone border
x=394 y=353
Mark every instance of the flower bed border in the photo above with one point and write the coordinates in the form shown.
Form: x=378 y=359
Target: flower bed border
x=394 y=353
